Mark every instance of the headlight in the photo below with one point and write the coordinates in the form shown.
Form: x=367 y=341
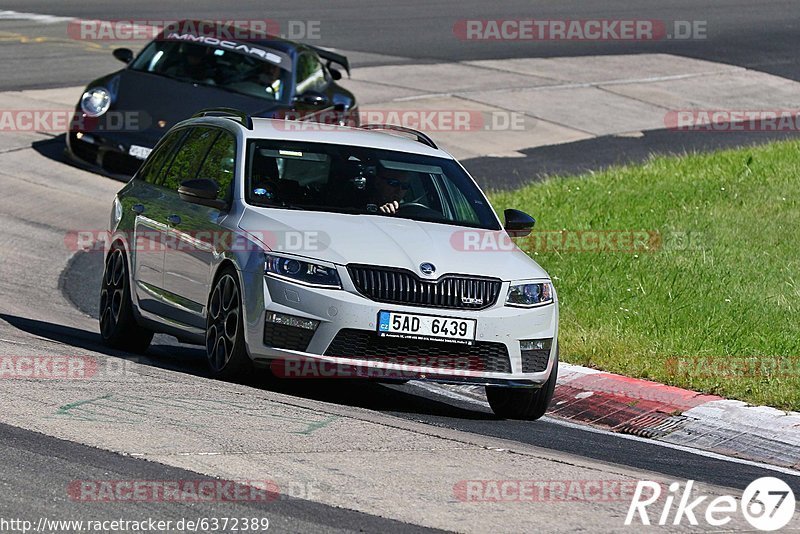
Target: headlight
x=302 y=272
x=116 y=214
x=96 y=101
x=530 y=295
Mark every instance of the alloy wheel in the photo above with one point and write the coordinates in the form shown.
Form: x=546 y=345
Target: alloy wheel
x=112 y=293
x=223 y=322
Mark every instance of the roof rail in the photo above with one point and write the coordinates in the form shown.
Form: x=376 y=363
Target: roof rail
x=421 y=137
x=228 y=113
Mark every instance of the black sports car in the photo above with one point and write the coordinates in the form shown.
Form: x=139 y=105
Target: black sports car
x=122 y=115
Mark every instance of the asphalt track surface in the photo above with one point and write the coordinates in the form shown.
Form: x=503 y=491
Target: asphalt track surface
x=37 y=468
x=759 y=35
x=762 y=35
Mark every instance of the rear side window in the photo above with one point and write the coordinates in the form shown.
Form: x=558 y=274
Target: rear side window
x=310 y=75
x=220 y=164
x=189 y=157
x=151 y=170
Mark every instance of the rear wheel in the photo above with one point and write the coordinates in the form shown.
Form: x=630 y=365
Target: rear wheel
x=523 y=403
x=118 y=327
x=225 y=348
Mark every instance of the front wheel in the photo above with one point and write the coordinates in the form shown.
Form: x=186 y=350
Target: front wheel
x=528 y=404
x=225 y=348
x=118 y=327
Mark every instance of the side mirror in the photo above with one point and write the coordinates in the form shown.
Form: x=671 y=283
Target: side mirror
x=312 y=98
x=203 y=192
x=518 y=223
x=123 y=54
x=335 y=74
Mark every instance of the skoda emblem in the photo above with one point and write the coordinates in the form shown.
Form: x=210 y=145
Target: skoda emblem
x=427 y=268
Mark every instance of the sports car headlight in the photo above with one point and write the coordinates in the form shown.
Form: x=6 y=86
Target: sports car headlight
x=302 y=272
x=96 y=101
x=530 y=295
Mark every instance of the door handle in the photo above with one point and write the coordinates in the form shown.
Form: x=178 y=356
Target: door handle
x=138 y=209
x=174 y=220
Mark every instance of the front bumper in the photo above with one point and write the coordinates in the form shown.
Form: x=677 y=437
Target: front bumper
x=107 y=151
x=345 y=312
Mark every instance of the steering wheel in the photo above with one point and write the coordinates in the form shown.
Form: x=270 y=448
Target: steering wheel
x=416 y=205
x=419 y=210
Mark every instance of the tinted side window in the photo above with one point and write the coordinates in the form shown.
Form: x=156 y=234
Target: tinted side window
x=151 y=170
x=220 y=164
x=310 y=75
x=189 y=157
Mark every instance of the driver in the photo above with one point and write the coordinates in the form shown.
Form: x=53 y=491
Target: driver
x=269 y=76
x=194 y=65
x=390 y=187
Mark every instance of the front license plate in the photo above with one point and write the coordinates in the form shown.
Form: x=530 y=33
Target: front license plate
x=140 y=152
x=426 y=327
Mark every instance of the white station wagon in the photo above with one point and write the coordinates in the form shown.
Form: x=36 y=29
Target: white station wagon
x=277 y=242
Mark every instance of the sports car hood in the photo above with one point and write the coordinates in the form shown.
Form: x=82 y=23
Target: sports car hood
x=389 y=241
x=159 y=98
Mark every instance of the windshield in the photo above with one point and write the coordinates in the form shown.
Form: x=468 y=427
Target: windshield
x=229 y=70
x=360 y=180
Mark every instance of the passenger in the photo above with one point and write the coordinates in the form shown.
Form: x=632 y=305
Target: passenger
x=269 y=76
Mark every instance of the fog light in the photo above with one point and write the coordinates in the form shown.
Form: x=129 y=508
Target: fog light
x=291 y=320
x=534 y=344
x=535 y=354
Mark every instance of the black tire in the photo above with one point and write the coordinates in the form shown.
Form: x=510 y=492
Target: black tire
x=118 y=327
x=528 y=404
x=225 y=347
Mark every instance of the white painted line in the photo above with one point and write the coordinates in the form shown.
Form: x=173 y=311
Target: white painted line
x=12 y=342
x=33 y=17
x=433 y=388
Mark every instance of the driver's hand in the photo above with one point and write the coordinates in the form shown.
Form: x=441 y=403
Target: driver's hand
x=390 y=207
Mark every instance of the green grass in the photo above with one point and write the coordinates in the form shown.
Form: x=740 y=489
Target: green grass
x=701 y=314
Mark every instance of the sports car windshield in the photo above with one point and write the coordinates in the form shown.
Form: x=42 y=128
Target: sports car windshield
x=207 y=65
x=357 y=180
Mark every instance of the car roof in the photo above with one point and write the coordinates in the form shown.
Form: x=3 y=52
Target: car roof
x=314 y=132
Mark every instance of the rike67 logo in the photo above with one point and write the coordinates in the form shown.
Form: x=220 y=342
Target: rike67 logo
x=767 y=504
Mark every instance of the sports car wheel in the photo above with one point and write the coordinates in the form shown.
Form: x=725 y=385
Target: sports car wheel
x=118 y=327
x=523 y=403
x=227 y=355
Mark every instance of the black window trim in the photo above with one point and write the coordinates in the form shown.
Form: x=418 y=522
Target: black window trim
x=182 y=137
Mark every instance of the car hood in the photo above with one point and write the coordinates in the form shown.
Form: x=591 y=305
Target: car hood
x=388 y=241
x=164 y=99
